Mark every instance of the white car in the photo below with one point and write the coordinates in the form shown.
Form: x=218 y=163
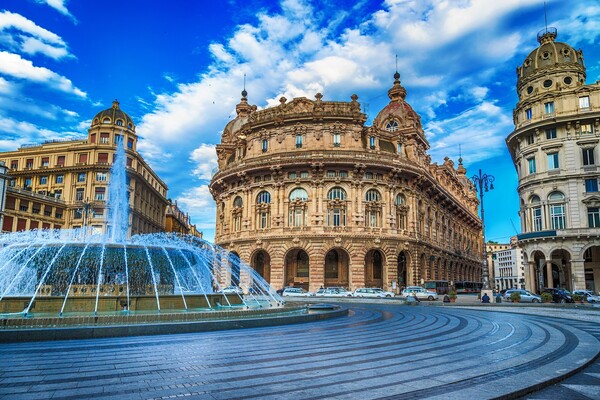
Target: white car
x=231 y=290
x=296 y=291
x=372 y=292
x=334 y=292
x=588 y=295
x=420 y=292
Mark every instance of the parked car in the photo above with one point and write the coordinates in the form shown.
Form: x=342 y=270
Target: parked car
x=526 y=296
x=231 y=290
x=371 y=292
x=559 y=295
x=296 y=291
x=588 y=295
x=420 y=292
x=334 y=292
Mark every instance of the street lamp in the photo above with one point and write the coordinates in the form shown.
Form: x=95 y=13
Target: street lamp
x=484 y=182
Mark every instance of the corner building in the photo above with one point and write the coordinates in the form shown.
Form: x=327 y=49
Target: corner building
x=310 y=196
x=64 y=183
x=554 y=147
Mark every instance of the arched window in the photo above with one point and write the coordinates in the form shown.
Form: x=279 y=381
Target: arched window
x=119 y=122
x=336 y=193
x=263 y=197
x=392 y=126
x=238 y=202
x=401 y=211
x=336 y=207
x=297 y=207
x=399 y=199
x=106 y=121
x=556 y=203
x=373 y=195
x=298 y=194
x=372 y=208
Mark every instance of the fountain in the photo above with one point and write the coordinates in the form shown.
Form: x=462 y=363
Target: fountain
x=60 y=273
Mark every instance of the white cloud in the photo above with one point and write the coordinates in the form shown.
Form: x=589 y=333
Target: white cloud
x=17 y=67
x=205 y=160
x=60 y=6
x=20 y=34
x=198 y=202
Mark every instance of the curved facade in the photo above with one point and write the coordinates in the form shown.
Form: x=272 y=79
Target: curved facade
x=555 y=150
x=308 y=195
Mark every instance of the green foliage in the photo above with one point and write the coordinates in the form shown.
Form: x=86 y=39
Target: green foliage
x=577 y=297
x=515 y=297
x=452 y=294
x=546 y=297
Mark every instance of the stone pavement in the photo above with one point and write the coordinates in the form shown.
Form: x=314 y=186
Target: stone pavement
x=381 y=350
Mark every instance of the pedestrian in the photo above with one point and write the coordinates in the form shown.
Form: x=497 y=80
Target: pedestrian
x=446 y=299
x=485 y=298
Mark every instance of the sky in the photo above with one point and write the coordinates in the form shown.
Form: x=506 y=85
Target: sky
x=177 y=68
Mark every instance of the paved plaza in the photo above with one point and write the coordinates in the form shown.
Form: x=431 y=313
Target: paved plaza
x=380 y=350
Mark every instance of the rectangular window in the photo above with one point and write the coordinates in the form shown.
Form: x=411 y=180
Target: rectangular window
x=553 y=161
x=530 y=139
x=60 y=161
x=79 y=194
x=337 y=139
x=372 y=142
x=83 y=158
x=77 y=213
x=549 y=107
x=594 y=217
x=399 y=148
x=103 y=158
x=98 y=213
x=528 y=113
x=265 y=145
x=584 y=102
x=291 y=175
x=59 y=178
x=14 y=164
x=93 y=138
x=531 y=164
x=551 y=133
x=24 y=205
x=118 y=138
x=303 y=174
x=586 y=129
x=263 y=220
x=331 y=174
x=130 y=143
x=343 y=174
x=337 y=215
x=372 y=218
x=81 y=177
x=99 y=193
x=557 y=216
x=101 y=176
x=588 y=156
x=591 y=185
x=29 y=163
x=298 y=141
x=45 y=161
x=104 y=138
x=43 y=180
x=537 y=218
x=58 y=193
x=28 y=183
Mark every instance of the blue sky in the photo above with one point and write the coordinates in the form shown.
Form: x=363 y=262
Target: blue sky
x=177 y=68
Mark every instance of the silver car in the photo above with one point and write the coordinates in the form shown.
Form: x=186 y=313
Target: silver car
x=588 y=295
x=526 y=296
x=372 y=292
x=420 y=293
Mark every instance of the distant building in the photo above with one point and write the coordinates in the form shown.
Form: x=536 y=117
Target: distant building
x=491 y=248
x=310 y=196
x=508 y=269
x=64 y=183
x=177 y=221
x=554 y=147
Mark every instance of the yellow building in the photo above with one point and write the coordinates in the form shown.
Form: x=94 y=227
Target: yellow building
x=176 y=221
x=64 y=183
x=309 y=195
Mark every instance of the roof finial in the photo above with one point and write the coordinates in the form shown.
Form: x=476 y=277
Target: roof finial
x=397 y=74
x=459 y=155
x=244 y=93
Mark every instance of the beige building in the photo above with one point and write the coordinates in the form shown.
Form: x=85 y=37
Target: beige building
x=177 y=221
x=311 y=196
x=64 y=183
x=555 y=150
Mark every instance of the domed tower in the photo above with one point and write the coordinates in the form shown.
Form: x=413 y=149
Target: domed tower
x=113 y=123
x=309 y=196
x=554 y=147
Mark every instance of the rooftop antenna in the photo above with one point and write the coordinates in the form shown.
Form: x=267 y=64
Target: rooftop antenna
x=545 y=17
x=396 y=62
x=245 y=79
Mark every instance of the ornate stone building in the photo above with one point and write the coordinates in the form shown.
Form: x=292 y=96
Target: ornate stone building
x=555 y=150
x=309 y=195
x=64 y=184
x=177 y=221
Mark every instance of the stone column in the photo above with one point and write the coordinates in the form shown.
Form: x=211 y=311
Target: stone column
x=578 y=272
x=531 y=283
x=549 y=274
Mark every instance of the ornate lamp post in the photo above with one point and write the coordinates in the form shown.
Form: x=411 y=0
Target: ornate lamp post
x=484 y=182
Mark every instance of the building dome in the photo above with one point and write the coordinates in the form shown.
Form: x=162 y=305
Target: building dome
x=114 y=116
x=549 y=58
x=398 y=115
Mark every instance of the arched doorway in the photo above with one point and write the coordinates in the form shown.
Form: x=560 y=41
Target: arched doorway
x=234 y=268
x=297 y=268
x=591 y=266
x=539 y=261
x=261 y=263
x=402 y=270
x=374 y=269
x=337 y=264
x=561 y=270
